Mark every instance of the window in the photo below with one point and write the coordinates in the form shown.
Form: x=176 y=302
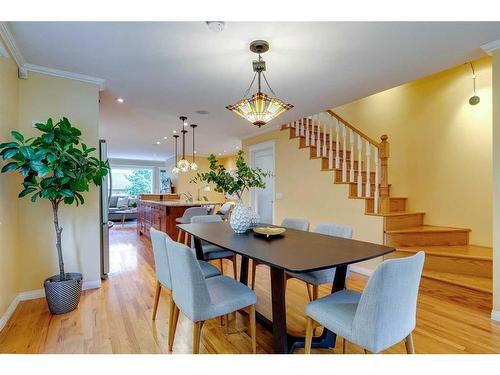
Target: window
x=131 y=180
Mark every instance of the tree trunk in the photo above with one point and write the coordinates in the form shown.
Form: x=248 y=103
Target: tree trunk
x=55 y=208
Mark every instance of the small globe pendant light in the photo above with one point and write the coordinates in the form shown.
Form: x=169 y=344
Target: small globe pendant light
x=193 y=166
x=473 y=100
x=175 y=169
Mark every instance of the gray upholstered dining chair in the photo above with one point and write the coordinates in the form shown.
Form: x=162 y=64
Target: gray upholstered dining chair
x=161 y=241
x=316 y=278
x=292 y=223
x=225 y=210
x=213 y=252
x=186 y=219
x=380 y=317
x=202 y=299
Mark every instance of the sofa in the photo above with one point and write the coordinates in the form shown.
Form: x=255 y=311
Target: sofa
x=126 y=202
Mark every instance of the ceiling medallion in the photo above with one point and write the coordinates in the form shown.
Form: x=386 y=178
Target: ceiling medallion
x=260 y=108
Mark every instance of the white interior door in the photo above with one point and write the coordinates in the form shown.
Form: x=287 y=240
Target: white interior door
x=262 y=200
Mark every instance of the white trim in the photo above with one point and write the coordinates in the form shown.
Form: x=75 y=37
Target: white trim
x=360 y=270
x=11 y=45
x=31 y=294
x=4 y=319
x=495 y=315
x=64 y=74
x=3 y=50
x=491 y=46
x=251 y=152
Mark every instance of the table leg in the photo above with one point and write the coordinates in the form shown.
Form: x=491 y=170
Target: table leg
x=280 y=335
x=244 y=270
x=123 y=220
x=198 y=248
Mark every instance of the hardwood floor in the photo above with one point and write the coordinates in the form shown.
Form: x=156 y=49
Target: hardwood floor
x=117 y=317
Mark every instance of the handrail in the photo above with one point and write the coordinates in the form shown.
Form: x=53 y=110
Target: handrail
x=346 y=123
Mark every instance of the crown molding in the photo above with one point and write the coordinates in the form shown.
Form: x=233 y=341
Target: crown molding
x=64 y=74
x=3 y=50
x=11 y=45
x=491 y=46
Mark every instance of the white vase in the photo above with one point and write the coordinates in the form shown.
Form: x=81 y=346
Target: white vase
x=241 y=218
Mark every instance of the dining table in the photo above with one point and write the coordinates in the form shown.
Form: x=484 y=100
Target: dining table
x=292 y=251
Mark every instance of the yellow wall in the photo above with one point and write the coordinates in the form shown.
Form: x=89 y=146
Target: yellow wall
x=440 y=145
x=9 y=250
x=40 y=97
x=496 y=182
x=182 y=184
x=310 y=193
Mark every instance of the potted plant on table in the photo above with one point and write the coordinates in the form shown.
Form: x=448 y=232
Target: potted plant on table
x=235 y=183
x=55 y=166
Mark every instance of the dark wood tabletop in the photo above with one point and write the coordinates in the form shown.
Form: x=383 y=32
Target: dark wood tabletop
x=295 y=250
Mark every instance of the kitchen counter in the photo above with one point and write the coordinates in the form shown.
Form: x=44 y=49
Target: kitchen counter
x=161 y=214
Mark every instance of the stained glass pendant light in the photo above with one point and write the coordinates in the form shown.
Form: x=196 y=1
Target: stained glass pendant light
x=175 y=169
x=260 y=108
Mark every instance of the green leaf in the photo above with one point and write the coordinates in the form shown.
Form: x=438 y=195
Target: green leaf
x=43 y=171
x=17 y=136
x=9 y=153
x=9 y=145
x=34 y=197
x=48 y=138
x=66 y=193
x=27 y=152
x=9 y=167
x=26 y=191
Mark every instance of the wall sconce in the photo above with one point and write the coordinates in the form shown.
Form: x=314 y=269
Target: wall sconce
x=473 y=100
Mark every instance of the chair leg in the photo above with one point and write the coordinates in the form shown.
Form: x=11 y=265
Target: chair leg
x=315 y=292
x=235 y=267
x=173 y=326
x=186 y=238
x=344 y=346
x=254 y=271
x=253 y=329
x=221 y=266
x=309 y=336
x=157 y=299
x=308 y=287
x=366 y=351
x=197 y=336
x=410 y=348
x=179 y=235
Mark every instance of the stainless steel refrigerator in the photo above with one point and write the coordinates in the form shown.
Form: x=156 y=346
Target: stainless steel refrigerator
x=103 y=208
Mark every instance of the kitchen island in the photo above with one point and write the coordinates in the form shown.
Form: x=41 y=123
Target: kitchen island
x=161 y=214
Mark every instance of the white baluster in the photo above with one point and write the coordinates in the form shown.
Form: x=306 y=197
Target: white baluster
x=306 y=131
x=337 y=157
x=360 y=164
x=367 y=184
x=312 y=142
x=330 y=153
x=351 y=140
x=296 y=128
x=344 y=153
x=376 y=194
x=324 y=133
x=318 y=139
x=301 y=128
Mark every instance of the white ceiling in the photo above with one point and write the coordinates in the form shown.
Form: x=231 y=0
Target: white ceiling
x=163 y=70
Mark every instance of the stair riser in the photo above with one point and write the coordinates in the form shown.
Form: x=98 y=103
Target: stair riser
x=403 y=221
x=462 y=266
x=426 y=238
x=396 y=205
x=325 y=161
x=338 y=177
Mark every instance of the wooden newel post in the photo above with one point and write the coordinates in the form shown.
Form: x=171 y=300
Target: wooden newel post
x=383 y=148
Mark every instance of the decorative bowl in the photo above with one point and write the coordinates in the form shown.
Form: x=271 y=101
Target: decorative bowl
x=269 y=231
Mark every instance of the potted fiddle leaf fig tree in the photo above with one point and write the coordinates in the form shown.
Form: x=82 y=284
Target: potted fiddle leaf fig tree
x=235 y=183
x=58 y=167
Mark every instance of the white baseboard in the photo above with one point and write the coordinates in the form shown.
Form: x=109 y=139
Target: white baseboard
x=495 y=315
x=34 y=294
x=361 y=270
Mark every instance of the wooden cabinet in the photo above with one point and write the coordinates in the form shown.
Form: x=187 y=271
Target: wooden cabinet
x=160 y=216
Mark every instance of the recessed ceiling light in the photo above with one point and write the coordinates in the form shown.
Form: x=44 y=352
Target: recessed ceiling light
x=119 y=100
x=158 y=142
x=165 y=137
x=175 y=131
x=225 y=151
x=215 y=26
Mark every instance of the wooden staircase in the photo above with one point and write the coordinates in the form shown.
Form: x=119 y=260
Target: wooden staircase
x=449 y=256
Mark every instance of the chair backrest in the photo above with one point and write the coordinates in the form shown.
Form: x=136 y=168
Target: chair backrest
x=337 y=230
x=226 y=207
x=205 y=219
x=162 y=267
x=193 y=211
x=299 y=224
x=189 y=288
x=210 y=209
x=386 y=312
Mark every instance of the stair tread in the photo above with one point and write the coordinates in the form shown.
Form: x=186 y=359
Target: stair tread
x=396 y=213
x=427 y=228
x=483 y=284
x=457 y=251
